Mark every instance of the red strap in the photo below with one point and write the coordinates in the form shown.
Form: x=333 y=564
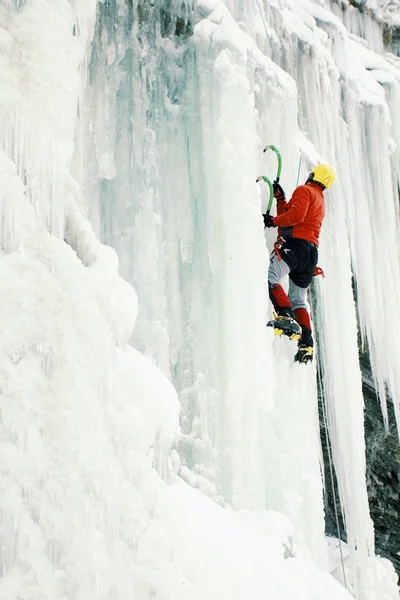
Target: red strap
x=318 y=271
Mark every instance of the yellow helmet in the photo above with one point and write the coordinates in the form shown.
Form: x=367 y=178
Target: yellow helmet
x=325 y=175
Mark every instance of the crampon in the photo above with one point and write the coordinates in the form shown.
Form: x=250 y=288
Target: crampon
x=285 y=326
x=304 y=355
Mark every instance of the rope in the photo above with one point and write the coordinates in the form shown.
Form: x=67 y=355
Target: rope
x=331 y=473
x=298 y=170
x=266 y=29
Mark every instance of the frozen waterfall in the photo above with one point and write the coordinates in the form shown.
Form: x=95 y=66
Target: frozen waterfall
x=156 y=441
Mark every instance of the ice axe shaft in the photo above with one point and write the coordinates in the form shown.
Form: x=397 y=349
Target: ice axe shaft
x=267 y=180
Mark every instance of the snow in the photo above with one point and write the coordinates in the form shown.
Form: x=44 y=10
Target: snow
x=134 y=354
x=387 y=11
x=75 y=474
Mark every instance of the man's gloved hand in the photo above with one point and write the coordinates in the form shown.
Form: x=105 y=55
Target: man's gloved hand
x=278 y=190
x=268 y=221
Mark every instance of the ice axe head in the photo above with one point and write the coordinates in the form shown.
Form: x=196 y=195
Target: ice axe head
x=278 y=154
x=271 y=190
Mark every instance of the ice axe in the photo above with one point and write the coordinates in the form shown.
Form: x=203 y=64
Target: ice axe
x=268 y=181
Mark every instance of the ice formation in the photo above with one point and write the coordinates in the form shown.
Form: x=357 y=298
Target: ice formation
x=133 y=256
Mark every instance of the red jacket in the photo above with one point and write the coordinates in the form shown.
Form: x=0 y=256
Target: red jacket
x=302 y=216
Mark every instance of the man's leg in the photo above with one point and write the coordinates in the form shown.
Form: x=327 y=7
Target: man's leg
x=278 y=269
x=298 y=299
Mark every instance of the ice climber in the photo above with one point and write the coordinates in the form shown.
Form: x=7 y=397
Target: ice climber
x=296 y=254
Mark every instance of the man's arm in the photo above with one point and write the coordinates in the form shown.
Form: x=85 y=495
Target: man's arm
x=293 y=212
x=280 y=198
x=281 y=205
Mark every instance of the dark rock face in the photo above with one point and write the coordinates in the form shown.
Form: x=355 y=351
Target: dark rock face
x=383 y=471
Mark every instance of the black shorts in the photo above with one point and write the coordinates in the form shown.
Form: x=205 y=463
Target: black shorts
x=302 y=258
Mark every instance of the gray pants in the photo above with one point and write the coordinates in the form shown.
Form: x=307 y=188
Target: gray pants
x=278 y=269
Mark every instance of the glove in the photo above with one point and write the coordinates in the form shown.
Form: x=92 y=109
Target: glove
x=278 y=190
x=268 y=221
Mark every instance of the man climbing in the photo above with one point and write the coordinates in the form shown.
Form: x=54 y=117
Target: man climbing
x=296 y=254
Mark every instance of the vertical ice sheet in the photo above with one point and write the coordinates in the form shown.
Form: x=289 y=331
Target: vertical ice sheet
x=83 y=512
x=347 y=119
x=37 y=357
x=38 y=100
x=172 y=193
x=179 y=205
x=293 y=482
x=373 y=216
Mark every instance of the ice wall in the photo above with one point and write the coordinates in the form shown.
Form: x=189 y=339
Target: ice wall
x=160 y=112
x=86 y=421
x=194 y=91
x=189 y=236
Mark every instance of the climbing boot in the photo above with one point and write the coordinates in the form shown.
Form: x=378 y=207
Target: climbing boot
x=304 y=354
x=285 y=325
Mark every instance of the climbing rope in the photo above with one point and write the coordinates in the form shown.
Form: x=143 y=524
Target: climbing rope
x=331 y=472
x=266 y=29
x=298 y=170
